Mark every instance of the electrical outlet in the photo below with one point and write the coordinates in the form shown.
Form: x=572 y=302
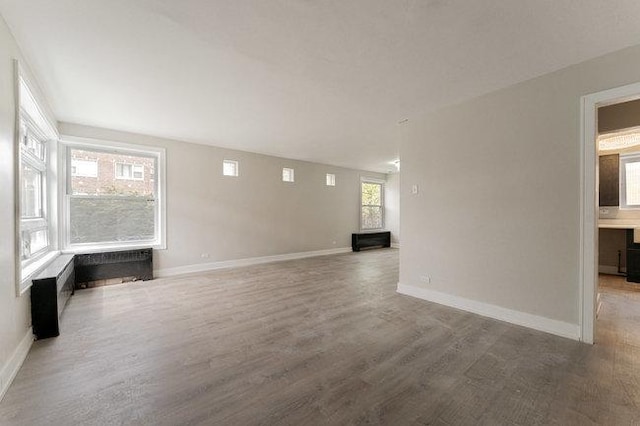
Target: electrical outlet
x=204 y=255
x=425 y=279
x=414 y=189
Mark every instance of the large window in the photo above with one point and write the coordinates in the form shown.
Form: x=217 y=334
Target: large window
x=630 y=181
x=372 y=204
x=117 y=201
x=34 y=136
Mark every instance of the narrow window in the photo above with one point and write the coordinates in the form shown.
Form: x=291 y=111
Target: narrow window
x=84 y=168
x=630 y=181
x=34 y=136
x=372 y=205
x=287 y=175
x=129 y=171
x=331 y=179
x=230 y=168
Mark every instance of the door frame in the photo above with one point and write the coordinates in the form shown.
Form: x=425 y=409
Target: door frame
x=589 y=208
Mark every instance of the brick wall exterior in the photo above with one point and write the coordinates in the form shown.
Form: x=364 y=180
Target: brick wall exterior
x=106 y=182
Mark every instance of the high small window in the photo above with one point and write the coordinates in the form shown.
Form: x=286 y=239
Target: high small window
x=372 y=204
x=630 y=181
x=129 y=171
x=287 y=175
x=230 y=168
x=331 y=179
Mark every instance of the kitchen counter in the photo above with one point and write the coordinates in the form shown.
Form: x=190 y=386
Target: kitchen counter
x=619 y=223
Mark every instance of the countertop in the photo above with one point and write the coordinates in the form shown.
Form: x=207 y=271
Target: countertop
x=619 y=223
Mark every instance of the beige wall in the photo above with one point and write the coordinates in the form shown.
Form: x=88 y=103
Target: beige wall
x=497 y=218
x=253 y=215
x=392 y=206
x=15 y=316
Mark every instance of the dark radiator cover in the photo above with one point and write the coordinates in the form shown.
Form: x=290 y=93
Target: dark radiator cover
x=370 y=239
x=101 y=266
x=50 y=292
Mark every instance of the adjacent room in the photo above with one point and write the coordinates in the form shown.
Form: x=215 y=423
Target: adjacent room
x=292 y=212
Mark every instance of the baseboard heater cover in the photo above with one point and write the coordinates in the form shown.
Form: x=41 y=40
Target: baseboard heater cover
x=362 y=240
x=101 y=266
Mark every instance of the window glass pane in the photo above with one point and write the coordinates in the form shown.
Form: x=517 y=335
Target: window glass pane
x=230 y=168
x=287 y=175
x=31 y=192
x=371 y=217
x=110 y=219
x=39 y=240
x=371 y=194
x=117 y=174
x=33 y=242
x=331 y=179
x=632 y=177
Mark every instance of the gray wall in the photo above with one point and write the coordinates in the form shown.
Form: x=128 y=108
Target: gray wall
x=15 y=316
x=497 y=219
x=392 y=206
x=253 y=215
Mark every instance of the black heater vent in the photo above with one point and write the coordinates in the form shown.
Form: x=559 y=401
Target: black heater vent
x=115 y=264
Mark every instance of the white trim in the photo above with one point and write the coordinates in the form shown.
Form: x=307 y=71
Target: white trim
x=203 y=267
x=395 y=245
x=110 y=146
x=536 y=322
x=589 y=201
x=11 y=368
x=611 y=270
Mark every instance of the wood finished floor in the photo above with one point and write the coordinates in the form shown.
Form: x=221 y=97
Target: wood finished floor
x=323 y=340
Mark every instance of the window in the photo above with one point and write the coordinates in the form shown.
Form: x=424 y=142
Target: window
x=372 y=204
x=84 y=168
x=630 y=181
x=230 y=168
x=34 y=229
x=287 y=175
x=124 y=207
x=129 y=171
x=331 y=179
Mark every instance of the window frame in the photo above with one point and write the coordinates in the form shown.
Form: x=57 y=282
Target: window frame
x=624 y=159
x=30 y=114
x=113 y=147
x=380 y=182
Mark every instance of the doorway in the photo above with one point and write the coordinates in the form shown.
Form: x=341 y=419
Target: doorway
x=590 y=208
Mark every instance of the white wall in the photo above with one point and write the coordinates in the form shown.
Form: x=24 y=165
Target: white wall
x=15 y=315
x=392 y=206
x=253 y=215
x=497 y=217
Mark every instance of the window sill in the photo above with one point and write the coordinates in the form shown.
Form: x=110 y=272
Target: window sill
x=93 y=248
x=29 y=271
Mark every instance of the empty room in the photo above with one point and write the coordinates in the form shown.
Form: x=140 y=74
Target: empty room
x=298 y=212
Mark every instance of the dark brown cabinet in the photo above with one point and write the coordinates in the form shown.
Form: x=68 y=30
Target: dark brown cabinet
x=609 y=175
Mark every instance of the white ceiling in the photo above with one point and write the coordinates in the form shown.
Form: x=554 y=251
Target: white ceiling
x=318 y=80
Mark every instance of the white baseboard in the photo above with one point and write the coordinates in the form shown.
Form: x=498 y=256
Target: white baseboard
x=395 y=245
x=11 y=368
x=548 y=325
x=203 y=267
x=611 y=270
